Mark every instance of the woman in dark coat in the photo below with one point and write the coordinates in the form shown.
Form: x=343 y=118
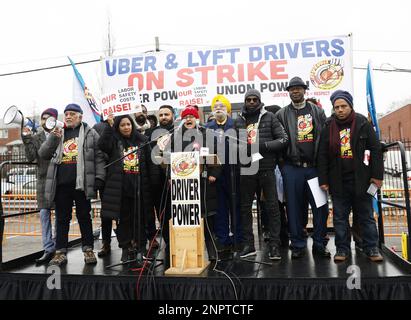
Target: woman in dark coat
x=127 y=189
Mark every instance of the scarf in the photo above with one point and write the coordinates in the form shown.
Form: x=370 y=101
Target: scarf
x=335 y=127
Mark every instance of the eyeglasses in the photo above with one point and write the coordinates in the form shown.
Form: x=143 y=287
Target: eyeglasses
x=252 y=99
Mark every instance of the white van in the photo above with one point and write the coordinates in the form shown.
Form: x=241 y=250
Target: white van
x=21 y=175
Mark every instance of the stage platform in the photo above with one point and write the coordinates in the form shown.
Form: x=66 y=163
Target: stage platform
x=310 y=277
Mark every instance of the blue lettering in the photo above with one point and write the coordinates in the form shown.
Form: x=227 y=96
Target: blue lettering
x=255 y=53
x=217 y=55
x=123 y=66
x=136 y=65
x=292 y=51
x=270 y=51
x=337 y=44
x=109 y=72
x=150 y=63
x=322 y=47
x=307 y=48
x=232 y=54
x=204 y=56
x=190 y=60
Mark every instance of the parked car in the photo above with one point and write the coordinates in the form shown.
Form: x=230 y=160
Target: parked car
x=26 y=191
x=21 y=174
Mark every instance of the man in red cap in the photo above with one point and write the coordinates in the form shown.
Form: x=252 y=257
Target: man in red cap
x=32 y=144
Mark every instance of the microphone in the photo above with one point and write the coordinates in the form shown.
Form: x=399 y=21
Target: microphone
x=181 y=124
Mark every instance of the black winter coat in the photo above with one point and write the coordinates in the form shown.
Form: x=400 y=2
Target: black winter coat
x=288 y=118
x=210 y=207
x=330 y=166
x=271 y=133
x=111 y=144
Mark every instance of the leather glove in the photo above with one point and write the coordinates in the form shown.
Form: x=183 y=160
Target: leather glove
x=99 y=185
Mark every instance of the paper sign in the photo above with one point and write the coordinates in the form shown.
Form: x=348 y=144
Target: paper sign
x=256 y=156
x=320 y=196
x=120 y=101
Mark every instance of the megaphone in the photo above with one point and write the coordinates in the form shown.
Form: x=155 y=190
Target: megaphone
x=52 y=123
x=14 y=115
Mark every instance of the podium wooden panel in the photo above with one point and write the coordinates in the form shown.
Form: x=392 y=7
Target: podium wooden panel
x=187 y=248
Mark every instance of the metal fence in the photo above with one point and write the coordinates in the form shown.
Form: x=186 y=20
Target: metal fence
x=21 y=219
x=394 y=198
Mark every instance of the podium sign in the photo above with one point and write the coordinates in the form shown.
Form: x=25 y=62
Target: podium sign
x=185 y=189
x=186 y=225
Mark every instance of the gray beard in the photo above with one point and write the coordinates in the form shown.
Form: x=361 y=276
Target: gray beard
x=298 y=105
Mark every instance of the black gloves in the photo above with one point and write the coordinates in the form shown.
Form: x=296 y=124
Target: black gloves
x=99 y=185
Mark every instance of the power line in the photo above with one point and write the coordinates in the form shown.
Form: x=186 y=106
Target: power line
x=390 y=51
x=385 y=70
x=46 y=68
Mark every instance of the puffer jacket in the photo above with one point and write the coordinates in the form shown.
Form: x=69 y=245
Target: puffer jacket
x=32 y=144
x=288 y=118
x=110 y=143
x=93 y=163
x=270 y=132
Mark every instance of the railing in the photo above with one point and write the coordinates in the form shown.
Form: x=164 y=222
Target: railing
x=20 y=226
x=394 y=198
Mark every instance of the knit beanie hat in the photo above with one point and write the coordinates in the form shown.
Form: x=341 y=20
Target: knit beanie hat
x=252 y=92
x=50 y=111
x=340 y=94
x=190 y=110
x=73 y=107
x=223 y=100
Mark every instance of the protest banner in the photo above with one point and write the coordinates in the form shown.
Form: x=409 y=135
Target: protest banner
x=195 y=76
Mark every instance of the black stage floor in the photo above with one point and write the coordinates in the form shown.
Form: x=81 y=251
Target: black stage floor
x=310 y=277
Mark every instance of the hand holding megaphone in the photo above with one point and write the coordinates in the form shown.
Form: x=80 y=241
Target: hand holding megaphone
x=52 y=123
x=14 y=115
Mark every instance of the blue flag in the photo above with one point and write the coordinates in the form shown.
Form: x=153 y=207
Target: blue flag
x=373 y=116
x=370 y=101
x=83 y=97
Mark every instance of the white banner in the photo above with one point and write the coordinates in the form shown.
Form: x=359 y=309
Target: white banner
x=185 y=189
x=120 y=101
x=196 y=76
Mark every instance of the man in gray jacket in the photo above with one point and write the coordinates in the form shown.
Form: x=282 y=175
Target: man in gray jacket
x=32 y=145
x=75 y=171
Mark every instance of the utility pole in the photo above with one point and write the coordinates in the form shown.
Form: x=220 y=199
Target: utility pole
x=157 y=44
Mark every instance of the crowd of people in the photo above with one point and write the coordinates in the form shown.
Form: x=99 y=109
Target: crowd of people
x=266 y=148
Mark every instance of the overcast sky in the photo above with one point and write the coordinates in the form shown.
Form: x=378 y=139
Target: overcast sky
x=41 y=33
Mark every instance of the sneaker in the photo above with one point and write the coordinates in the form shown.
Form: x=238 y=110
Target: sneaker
x=297 y=253
x=89 y=257
x=59 y=259
x=374 y=255
x=341 y=255
x=274 y=253
x=247 y=251
x=105 y=250
x=321 y=252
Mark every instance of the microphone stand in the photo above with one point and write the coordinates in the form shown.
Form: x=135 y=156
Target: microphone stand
x=234 y=200
x=139 y=254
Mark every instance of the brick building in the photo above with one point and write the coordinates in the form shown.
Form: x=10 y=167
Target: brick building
x=396 y=125
x=10 y=139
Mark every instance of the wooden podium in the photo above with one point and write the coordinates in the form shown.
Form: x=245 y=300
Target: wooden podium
x=187 y=250
x=187 y=245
